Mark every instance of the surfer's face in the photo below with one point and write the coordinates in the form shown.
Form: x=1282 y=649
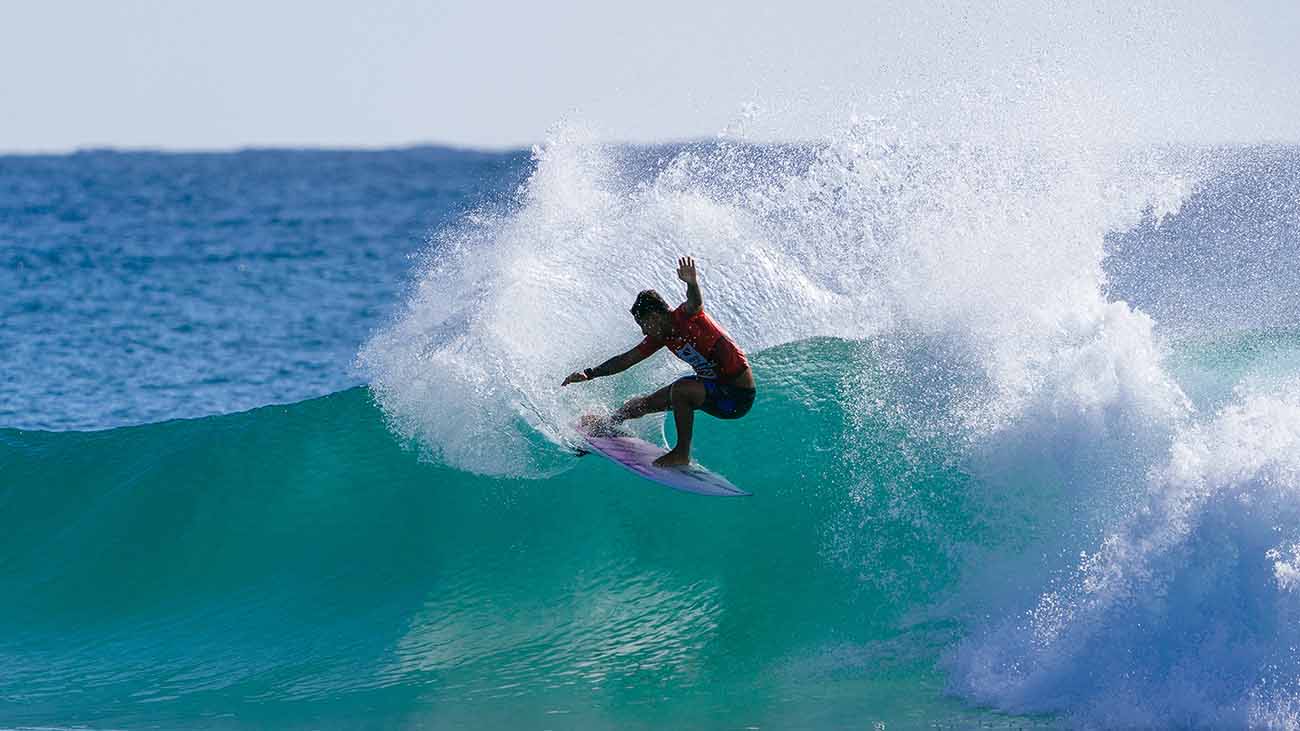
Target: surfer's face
x=654 y=325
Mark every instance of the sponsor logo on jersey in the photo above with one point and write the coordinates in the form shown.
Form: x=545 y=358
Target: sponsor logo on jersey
x=702 y=365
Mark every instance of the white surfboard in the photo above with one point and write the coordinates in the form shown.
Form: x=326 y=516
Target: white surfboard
x=638 y=455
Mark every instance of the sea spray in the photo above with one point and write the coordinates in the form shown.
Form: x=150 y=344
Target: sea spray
x=512 y=301
x=995 y=353
x=835 y=238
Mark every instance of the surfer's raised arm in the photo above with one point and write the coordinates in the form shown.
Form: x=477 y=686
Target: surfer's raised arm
x=617 y=364
x=686 y=273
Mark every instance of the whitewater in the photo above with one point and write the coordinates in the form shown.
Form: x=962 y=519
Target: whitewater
x=1026 y=450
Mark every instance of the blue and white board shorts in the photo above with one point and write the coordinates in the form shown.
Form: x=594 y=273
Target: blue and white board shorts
x=722 y=400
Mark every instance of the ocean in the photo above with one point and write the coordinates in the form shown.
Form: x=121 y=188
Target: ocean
x=283 y=446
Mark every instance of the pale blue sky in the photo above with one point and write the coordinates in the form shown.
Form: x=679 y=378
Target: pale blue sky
x=184 y=74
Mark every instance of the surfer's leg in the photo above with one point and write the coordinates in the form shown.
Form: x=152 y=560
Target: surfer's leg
x=651 y=403
x=687 y=396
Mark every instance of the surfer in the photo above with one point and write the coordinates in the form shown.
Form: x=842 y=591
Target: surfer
x=722 y=386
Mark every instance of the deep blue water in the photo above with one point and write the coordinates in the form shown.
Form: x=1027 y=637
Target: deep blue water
x=145 y=286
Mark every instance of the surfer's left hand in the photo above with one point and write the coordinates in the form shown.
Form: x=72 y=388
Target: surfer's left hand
x=575 y=377
x=686 y=270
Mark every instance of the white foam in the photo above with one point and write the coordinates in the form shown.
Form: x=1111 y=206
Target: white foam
x=1185 y=614
x=1001 y=353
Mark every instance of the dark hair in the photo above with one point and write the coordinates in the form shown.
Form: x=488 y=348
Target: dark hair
x=648 y=301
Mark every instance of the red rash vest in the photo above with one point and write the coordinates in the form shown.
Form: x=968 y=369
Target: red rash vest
x=702 y=343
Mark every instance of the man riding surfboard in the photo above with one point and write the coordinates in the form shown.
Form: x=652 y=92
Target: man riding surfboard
x=723 y=384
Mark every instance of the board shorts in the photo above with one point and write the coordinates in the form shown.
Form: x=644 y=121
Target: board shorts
x=723 y=401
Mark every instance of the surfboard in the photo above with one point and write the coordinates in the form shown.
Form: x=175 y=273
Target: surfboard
x=638 y=455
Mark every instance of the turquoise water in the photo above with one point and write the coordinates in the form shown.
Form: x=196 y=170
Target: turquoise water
x=294 y=565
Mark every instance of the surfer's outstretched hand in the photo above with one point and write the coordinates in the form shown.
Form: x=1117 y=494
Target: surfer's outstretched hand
x=686 y=270
x=575 y=377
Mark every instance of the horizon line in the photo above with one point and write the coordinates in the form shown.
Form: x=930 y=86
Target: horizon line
x=488 y=149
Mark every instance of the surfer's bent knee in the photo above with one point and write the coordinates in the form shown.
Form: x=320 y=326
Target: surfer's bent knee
x=681 y=392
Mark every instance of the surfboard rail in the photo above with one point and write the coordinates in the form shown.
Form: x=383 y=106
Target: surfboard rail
x=637 y=455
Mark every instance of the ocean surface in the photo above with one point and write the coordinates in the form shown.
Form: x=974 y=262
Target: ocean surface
x=282 y=442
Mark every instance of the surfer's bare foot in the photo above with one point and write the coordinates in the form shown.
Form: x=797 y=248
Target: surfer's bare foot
x=673 y=459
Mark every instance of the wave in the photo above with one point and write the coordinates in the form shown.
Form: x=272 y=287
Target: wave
x=1003 y=414
x=212 y=554
x=195 y=565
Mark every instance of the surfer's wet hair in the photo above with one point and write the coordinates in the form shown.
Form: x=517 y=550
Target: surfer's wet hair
x=649 y=302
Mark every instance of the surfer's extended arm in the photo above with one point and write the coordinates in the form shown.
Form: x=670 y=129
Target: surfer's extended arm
x=686 y=273
x=617 y=364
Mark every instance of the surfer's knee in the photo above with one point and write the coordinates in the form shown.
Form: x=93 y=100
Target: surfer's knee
x=687 y=393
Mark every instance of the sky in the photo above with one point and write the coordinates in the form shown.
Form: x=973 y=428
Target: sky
x=238 y=73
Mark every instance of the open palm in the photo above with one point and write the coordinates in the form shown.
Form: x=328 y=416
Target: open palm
x=686 y=270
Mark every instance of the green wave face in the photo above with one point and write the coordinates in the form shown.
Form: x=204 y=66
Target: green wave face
x=296 y=565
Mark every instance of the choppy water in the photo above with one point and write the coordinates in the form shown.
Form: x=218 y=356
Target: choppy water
x=1026 y=450
x=140 y=287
